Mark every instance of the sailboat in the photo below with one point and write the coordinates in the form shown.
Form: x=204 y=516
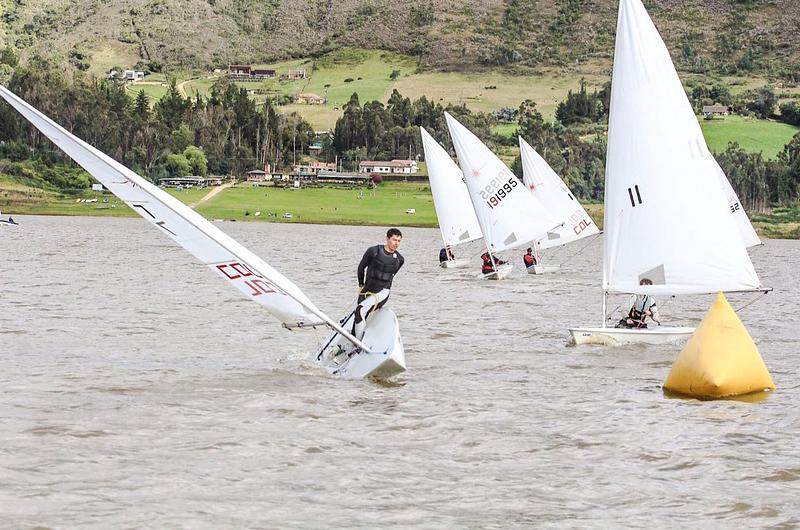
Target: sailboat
x=381 y=351
x=509 y=216
x=551 y=191
x=667 y=216
x=457 y=221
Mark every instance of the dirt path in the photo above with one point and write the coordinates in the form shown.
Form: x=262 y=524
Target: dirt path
x=208 y=196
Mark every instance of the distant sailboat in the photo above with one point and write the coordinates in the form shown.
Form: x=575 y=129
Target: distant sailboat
x=667 y=215
x=457 y=221
x=508 y=215
x=551 y=191
x=382 y=352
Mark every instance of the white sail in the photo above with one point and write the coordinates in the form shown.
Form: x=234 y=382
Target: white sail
x=743 y=223
x=666 y=216
x=547 y=186
x=457 y=219
x=230 y=260
x=509 y=216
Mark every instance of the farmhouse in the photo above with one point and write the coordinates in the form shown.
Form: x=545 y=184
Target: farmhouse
x=337 y=177
x=296 y=73
x=258 y=175
x=393 y=166
x=132 y=75
x=313 y=168
x=259 y=73
x=192 y=180
x=239 y=71
x=309 y=98
x=716 y=110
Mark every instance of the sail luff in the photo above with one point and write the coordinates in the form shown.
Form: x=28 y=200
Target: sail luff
x=230 y=260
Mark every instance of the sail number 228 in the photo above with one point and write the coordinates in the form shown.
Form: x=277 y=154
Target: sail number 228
x=496 y=191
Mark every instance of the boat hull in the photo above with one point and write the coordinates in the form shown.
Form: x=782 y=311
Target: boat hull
x=543 y=269
x=454 y=263
x=385 y=359
x=502 y=272
x=615 y=336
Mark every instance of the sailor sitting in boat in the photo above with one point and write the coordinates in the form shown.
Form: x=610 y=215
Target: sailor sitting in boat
x=529 y=258
x=446 y=254
x=641 y=307
x=381 y=263
x=487 y=267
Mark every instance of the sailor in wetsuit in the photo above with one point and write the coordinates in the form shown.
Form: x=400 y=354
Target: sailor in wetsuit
x=375 y=273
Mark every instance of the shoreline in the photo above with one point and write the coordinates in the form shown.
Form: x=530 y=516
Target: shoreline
x=778 y=231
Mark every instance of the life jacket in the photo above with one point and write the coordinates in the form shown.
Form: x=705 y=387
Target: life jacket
x=487 y=265
x=382 y=268
x=528 y=259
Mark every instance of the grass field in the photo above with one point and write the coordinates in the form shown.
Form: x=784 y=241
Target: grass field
x=358 y=206
x=765 y=136
x=386 y=206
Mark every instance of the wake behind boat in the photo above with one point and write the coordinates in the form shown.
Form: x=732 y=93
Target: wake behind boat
x=382 y=351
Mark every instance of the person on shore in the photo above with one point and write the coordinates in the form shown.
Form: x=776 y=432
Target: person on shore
x=529 y=259
x=641 y=307
x=376 y=270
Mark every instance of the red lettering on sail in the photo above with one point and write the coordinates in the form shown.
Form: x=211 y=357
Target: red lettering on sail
x=580 y=227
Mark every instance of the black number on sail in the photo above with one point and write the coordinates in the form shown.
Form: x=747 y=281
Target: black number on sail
x=638 y=195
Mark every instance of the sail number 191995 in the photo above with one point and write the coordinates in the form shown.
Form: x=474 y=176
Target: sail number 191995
x=496 y=190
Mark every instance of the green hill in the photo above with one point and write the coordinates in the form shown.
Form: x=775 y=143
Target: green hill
x=724 y=36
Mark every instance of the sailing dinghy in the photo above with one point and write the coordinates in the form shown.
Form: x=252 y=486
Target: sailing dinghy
x=509 y=216
x=667 y=215
x=553 y=194
x=457 y=221
x=381 y=351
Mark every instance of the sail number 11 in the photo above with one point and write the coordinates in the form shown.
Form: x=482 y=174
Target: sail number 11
x=495 y=191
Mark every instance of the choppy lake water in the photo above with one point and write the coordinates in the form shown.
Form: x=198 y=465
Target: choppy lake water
x=140 y=391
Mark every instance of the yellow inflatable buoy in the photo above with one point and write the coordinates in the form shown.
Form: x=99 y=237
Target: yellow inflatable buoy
x=720 y=360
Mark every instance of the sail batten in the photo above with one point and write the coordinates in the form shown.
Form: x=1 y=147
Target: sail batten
x=227 y=258
x=549 y=188
x=457 y=221
x=508 y=215
x=665 y=207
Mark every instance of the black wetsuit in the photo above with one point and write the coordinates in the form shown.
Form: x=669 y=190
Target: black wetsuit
x=443 y=255
x=375 y=274
x=380 y=269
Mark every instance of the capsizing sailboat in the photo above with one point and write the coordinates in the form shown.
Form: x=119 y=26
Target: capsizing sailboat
x=668 y=215
x=457 y=221
x=549 y=188
x=509 y=216
x=381 y=351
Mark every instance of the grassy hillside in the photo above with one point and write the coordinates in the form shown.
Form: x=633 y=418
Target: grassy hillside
x=703 y=35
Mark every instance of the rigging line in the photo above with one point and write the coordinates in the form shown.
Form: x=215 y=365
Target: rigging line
x=753 y=301
x=589 y=242
x=608 y=316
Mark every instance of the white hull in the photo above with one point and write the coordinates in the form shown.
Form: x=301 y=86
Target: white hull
x=501 y=272
x=454 y=263
x=386 y=359
x=10 y=225
x=543 y=269
x=614 y=336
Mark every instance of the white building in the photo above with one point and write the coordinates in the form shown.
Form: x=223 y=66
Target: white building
x=132 y=75
x=393 y=166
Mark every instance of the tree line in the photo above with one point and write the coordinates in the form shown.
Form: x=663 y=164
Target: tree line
x=228 y=133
